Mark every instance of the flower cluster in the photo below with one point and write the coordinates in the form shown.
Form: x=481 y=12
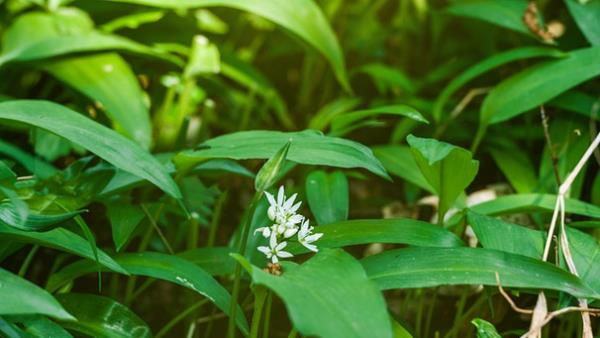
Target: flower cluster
x=287 y=223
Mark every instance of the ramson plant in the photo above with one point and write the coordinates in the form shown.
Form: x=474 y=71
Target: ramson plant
x=286 y=223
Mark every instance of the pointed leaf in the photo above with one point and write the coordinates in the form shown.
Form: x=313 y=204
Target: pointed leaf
x=328 y=196
x=107 y=144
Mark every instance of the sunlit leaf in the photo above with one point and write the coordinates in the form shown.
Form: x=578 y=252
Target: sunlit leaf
x=321 y=299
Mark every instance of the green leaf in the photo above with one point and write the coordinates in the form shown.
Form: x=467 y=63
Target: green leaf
x=399 y=161
x=516 y=165
x=577 y=102
x=35 y=165
x=447 y=168
x=503 y=13
x=487 y=65
x=586 y=256
x=40 y=326
x=496 y=234
x=587 y=17
x=11 y=216
x=20 y=297
x=328 y=112
x=485 y=329
x=393 y=231
x=124 y=219
x=107 y=79
x=60 y=239
x=538 y=84
x=513 y=204
x=328 y=196
x=214 y=260
x=321 y=296
x=387 y=78
x=271 y=170
x=107 y=144
x=40 y=35
x=99 y=316
x=429 y=267
x=302 y=17
x=164 y=267
x=307 y=147
x=347 y=122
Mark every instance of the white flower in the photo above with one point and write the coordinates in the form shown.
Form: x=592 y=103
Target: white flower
x=265 y=231
x=283 y=210
x=275 y=250
x=306 y=237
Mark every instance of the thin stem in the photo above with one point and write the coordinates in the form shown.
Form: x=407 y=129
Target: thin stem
x=243 y=241
x=267 y=322
x=550 y=146
x=180 y=317
x=214 y=222
x=157 y=229
x=259 y=302
x=28 y=260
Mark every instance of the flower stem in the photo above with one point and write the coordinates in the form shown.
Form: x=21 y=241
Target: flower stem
x=243 y=241
x=260 y=295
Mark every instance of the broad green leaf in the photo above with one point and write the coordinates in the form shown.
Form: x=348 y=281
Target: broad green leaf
x=328 y=112
x=40 y=326
x=107 y=79
x=11 y=216
x=399 y=331
x=577 y=102
x=496 y=234
x=513 y=238
x=214 y=260
x=49 y=146
x=393 y=231
x=538 y=84
x=124 y=180
x=587 y=17
x=307 y=147
x=40 y=35
x=345 y=123
x=100 y=140
x=124 y=219
x=447 y=168
x=487 y=65
x=485 y=329
x=302 y=17
x=132 y=21
x=99 y=316
x=327 y=196
x=399 y=161
x=20 y=297
x=586 y=255
x=321 y=296
x=10 y=330
x=513 y=204
x=61 y=239
x=503 y=13
x=429 y=267
x=516 y=166
x=165 y=267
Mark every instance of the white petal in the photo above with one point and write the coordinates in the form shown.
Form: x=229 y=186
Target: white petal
x=280 y=246
x=266 y=232
x=284 y=254
x=273 y=240
x=296 y=207
x=288 y=203
x=311 y=247
x=271 y=213
x=274 y=259
x=270 y=198
x=314 y=237
x=280 y=196
x=290 y=232
x=264 y=250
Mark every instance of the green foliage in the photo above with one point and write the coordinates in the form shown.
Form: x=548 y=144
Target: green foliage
x=151 y=150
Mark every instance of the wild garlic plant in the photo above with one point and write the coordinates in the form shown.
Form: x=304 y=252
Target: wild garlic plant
x=287 y=223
